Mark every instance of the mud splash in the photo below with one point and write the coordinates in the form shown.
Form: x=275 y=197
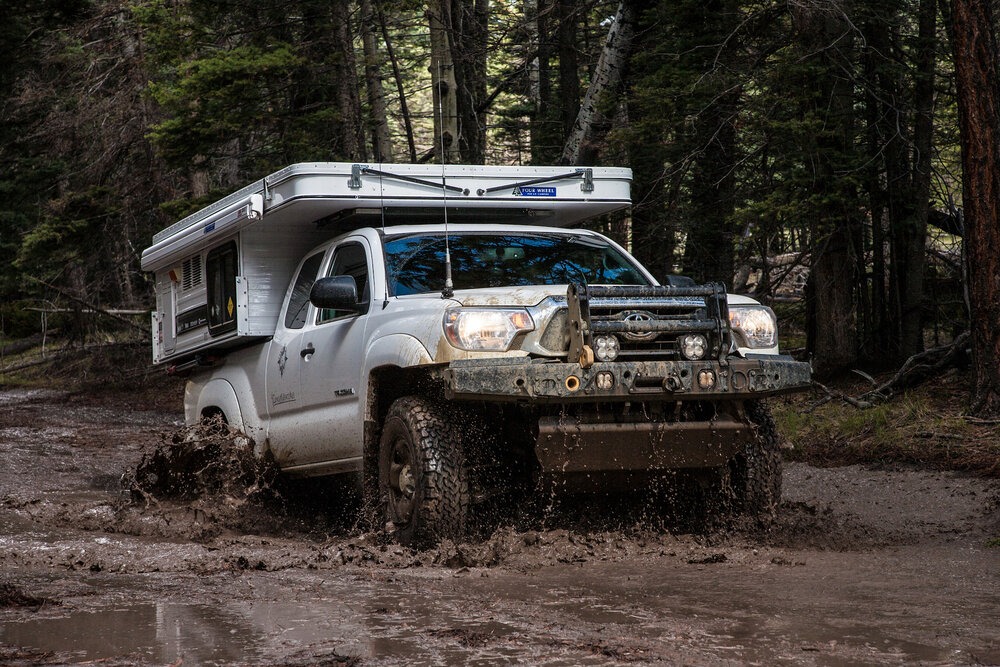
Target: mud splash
x=207 y=460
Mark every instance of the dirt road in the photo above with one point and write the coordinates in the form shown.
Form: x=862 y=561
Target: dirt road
x=863 y=566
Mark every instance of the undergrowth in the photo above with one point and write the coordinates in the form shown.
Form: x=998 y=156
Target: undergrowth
x=928 y=425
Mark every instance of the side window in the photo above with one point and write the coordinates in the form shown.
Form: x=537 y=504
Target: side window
x=350 y=260
x=220 y=270
x=298 y=302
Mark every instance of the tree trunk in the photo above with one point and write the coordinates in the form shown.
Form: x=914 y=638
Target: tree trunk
x=352 y=129
x=467 y=32
x=975 y=54
x=569 y=65
x=912 y=238
x=381 y=141
x=606 y=78
x=445 y=89
x=710 y=246
x=835 y=228
x=546 y=131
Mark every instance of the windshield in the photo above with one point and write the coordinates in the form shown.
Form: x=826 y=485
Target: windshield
x=416 y=262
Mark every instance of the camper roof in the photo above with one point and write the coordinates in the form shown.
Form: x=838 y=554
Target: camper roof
x=350 y=195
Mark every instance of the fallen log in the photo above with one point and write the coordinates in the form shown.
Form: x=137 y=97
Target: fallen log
x=915 y=370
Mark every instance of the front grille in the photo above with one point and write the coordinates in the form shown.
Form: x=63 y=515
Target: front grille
x=644 y=345
x=647 y=321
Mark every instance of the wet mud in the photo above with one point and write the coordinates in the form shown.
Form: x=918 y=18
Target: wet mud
x=128 y=539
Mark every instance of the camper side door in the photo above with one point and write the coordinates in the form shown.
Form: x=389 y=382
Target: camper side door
x=314 y=367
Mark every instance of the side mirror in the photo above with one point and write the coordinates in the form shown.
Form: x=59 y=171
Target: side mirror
x=335 y=293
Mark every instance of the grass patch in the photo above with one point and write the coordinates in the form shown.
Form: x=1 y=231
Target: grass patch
x=927 y=425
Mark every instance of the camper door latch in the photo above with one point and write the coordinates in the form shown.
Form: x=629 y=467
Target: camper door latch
x=588 y=180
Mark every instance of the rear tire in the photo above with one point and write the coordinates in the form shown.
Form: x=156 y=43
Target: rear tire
x=423 y=476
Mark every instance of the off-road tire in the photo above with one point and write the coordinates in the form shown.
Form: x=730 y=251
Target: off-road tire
x=421 y=444
x=755 y=472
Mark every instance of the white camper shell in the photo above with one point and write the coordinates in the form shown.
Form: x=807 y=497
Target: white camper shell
x=221 y=273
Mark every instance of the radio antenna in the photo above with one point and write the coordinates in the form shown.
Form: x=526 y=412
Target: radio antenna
x=449 y=286
x=381 y=207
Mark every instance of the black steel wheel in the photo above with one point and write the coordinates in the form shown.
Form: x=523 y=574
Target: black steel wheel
x=423 y=478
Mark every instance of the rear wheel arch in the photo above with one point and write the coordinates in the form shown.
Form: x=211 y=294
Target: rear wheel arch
x=218 y=398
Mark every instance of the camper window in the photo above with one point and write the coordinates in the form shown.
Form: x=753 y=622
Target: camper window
x=221 y=267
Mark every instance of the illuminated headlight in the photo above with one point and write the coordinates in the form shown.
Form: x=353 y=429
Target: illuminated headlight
x=756 y=325
x=606 y=348
x=485 y=330
x=693 y=346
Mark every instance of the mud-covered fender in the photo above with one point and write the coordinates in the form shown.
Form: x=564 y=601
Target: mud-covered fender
x=215 y=395
x=397 y=350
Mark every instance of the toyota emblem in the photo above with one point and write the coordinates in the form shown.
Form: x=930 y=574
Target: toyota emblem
x=640 y=316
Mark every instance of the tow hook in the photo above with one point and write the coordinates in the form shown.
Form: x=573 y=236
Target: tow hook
x=672 y=383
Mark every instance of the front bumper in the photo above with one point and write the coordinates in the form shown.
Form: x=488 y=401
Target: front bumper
x=522 y=379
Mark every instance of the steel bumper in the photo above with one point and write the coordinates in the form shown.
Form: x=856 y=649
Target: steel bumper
x=553 y=381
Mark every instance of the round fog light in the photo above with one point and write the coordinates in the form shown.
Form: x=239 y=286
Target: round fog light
x=606 y=348
x=693 y=346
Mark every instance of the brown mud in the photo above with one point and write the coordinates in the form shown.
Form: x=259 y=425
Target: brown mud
x=127 y=539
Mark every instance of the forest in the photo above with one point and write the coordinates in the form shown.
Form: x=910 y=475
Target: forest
x=836 y=159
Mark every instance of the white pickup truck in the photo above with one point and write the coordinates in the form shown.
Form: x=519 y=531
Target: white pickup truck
x=446 y=333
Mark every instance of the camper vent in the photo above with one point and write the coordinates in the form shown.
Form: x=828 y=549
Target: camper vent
x=192 y=273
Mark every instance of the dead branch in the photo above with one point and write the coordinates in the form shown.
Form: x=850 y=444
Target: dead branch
x=919 y=367
x=915 y=370
x=833 y=394
x=90 y=306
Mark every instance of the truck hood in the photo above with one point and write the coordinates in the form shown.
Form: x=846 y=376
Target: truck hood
x=508 y=296
x=534 y=295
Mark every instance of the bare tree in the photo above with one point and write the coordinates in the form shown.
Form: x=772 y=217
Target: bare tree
x=347 y=85
x=443 y=83
x=607 y=77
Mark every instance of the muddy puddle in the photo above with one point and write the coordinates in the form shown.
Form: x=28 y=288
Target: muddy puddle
x=235 y=567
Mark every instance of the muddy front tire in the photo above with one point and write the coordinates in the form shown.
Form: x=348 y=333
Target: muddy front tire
x=756 y=471
x=423 y=476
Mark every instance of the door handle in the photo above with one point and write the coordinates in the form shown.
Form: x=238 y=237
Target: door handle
x=306 y=351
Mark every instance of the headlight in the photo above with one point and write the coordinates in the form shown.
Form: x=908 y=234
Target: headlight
x=756 y=325
x=485 y=330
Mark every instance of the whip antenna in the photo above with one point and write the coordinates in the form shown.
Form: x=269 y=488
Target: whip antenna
x=449 y=286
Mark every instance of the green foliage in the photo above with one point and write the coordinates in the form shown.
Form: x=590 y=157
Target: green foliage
x=219 y=99
x=65 y=235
